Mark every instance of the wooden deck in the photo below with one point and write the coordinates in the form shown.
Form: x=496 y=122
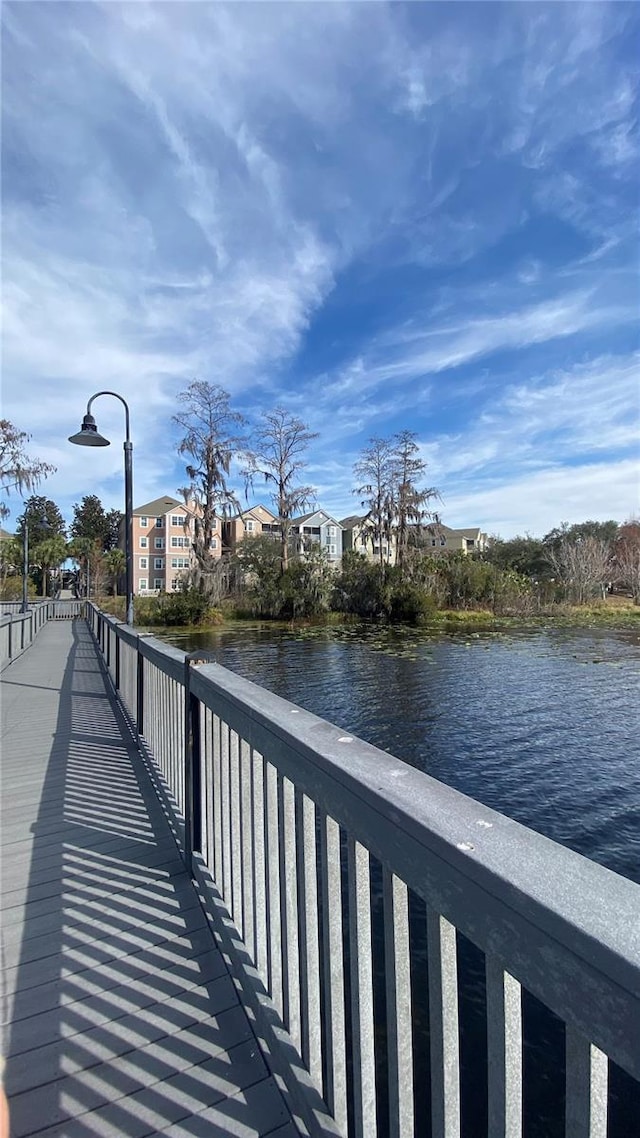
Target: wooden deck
x=122 y=1018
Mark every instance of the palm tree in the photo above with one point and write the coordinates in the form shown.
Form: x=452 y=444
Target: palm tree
x=116 y=563
x=49 y=554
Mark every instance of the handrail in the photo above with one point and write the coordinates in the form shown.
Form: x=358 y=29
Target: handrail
x=286 y=814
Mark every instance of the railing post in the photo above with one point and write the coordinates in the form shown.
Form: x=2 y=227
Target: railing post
x=192 y=764
x=10 y=637
x=117 y=679
x=139 y=694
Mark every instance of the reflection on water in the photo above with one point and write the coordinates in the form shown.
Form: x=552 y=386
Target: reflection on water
x=542 y=726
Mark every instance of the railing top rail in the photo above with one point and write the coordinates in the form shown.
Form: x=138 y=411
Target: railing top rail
x=565 y=926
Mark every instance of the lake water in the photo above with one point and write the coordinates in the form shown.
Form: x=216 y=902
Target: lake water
x=541 y=725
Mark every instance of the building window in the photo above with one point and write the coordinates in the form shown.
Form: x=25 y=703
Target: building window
x=142 y=583
x=213 y=544
x=443 y=542
x=331 y=550
x=158 y=563
x=159 y=523
x=214 y=523
x=179 y=542
x=157 y=582
x=248 y=527
x=177 y=519
x=470 y=543
x=144 y=522
x=179 y=562
x=433 y=541
x=331 y=530
x=159 y=543
x=143 y=543
x=143 y=563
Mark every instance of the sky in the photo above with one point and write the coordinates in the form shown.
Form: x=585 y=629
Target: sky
x=378 y=216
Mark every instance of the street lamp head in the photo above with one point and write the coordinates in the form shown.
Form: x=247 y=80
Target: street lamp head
x=88 y=435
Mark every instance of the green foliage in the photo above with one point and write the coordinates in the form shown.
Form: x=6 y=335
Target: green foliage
x=409 y=604
x=525 y=555
x=188 y=607
x=303 y=589
x=602 y=531
x=18 y=471
x=90 y=521
x=43 y=518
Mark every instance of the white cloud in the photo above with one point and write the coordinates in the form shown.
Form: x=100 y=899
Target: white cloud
x=535 y=503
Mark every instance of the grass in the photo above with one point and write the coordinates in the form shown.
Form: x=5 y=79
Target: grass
x=613 y=612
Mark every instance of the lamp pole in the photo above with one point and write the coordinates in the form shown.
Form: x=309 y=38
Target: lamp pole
x=88 y=436
x=25 y=567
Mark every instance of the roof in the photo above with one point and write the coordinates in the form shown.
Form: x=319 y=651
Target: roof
x=299 y=521
x=353 y=520
x=159 y=506
x=470 y=531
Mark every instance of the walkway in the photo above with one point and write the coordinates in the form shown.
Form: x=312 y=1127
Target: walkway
x=122 y=1017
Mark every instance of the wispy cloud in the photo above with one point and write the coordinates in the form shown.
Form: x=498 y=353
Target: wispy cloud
x=378 y=215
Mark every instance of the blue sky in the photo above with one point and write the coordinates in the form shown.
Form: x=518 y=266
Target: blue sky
x=378 y=216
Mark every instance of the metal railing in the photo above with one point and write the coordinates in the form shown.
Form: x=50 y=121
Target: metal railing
x=19 y=629
x=311 y=844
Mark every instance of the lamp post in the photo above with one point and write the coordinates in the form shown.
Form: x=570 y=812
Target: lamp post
x=88 y=436
x=25 y=567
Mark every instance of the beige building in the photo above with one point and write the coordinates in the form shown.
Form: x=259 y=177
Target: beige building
x=255 y=522
x=162 y=540
x=467 y=540
x=355 y=537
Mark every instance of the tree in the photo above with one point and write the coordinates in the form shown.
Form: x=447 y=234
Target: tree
x=410 y=502
x=44 y=519
x=277 y=457
x=626 y=557
x=211 y=441
x=114 y=520
x=525 y=555
x=90 y=557
x=603 y=531
x=49 y=554
x=582 y=566
x=374 y=471
x=18 y=471
x=116 y=563
x=90 y=521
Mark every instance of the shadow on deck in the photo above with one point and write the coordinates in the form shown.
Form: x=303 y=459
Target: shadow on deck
x=122 y=1018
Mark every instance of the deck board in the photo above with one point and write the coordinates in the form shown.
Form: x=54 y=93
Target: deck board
x=122 y=1018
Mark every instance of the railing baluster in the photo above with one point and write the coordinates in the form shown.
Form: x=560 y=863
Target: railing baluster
x=333 y=959
x=225 y=815
x=218 y=728
x=290 y=938
x=361 y=971
x=260 y=866
x=399 y=1019
x=309 y=937
x=443 y=1026
x=587 y=1088
x=273 y=900
x=504 y=1051
x=246 y=842
x=234 y=822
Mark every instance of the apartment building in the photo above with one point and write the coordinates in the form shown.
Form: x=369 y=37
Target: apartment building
x=437 y=537
x=466 y=540
x=162 y=540
x=356 y=538
x=319 y=528
x=254 y=522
